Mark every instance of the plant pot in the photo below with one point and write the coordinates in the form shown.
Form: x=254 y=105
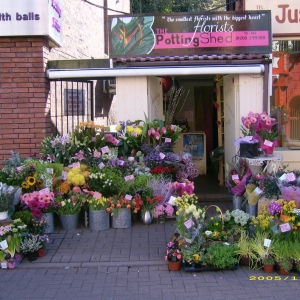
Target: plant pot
x=98 y=220
x=122 y=219
x=69 y=222
x=31 y=256
x=41 y=252
x=147 y=217
x=237 y=202
x=48 y=217
x=4 y=265
x=269 y=150
x=244 y=261
x=282 y=271
x=268 y=268
x=3 y=215
x=174 y=265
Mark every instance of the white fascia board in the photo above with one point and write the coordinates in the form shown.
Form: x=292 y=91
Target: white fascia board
x=159 y=71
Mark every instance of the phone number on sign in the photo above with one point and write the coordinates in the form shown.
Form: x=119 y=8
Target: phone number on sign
x=273 y=278
x=244 y=38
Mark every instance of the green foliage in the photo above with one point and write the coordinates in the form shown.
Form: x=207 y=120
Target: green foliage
x=221 y=255
x=25 y=216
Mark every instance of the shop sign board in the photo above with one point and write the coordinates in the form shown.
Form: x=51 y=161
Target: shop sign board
x=190 y=33
x=32 y=18
x=74 y=102
x=285 y=16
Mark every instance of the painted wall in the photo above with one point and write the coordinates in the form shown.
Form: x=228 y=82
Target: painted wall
x=242 y=93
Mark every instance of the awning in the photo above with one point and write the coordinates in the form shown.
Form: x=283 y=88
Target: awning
x=158 y=71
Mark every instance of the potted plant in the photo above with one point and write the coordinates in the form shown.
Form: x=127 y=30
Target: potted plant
x=98 y=215
x=268 y=263
x=285 y=266
x=222 y=255
x=30 y=245
x=173 y=255
x=244 y=250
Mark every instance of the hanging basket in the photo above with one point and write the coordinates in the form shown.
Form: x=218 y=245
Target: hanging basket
x=221 y=213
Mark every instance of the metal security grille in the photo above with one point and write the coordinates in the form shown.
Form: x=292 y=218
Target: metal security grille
x=71 y=102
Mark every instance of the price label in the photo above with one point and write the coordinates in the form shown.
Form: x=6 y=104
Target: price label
x=290 y=177
x=188 y=224
x=97 y=154
x=64 y=175
x=105 y=149
x=128 y=197
x=285 y=227
x=3 y=244
x=268 y=143
x=235 y=177
x=129 y=177
x=131 y=158
x=101 y=165
x=97 y=195
x=76 y=165
x=161 y=155
x=267 y=243
x=257 y=191
x=168 y=140
x=49 y=171
x=283 y=177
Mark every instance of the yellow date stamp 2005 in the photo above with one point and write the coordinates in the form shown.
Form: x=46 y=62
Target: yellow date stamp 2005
x=270 y=278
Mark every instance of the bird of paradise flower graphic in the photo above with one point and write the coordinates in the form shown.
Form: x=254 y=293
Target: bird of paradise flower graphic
x=131 y=35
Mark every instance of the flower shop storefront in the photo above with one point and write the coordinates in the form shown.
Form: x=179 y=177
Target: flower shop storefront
x=111 y=177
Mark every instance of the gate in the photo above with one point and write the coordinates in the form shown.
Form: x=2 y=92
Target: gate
x=71 y=102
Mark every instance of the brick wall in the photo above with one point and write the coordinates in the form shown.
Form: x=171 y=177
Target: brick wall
x=23 y=95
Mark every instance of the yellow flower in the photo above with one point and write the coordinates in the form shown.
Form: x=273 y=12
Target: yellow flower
x=118 y=127
x=31 y=180
x=216 y=224
x=196 y=256
x=215 y=234
x=129 y=129
x=25 y=185
x=211 y=218
x=138 y=131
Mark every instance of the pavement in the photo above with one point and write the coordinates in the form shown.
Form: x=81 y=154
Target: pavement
x=129 y=264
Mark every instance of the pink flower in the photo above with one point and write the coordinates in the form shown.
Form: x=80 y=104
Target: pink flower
x=156 y=135
x=79 y=155
x=164 y=130
x=149 y=132
x=152 y=130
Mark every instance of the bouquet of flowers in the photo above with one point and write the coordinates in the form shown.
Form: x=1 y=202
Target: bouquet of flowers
x=149 y=201
x=7 y=194
x=98 y=203
x=38 y=202
x=237 y=177
x=71 y=205
x=163 y=210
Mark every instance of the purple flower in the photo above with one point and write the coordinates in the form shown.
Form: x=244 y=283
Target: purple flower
x=274 y=208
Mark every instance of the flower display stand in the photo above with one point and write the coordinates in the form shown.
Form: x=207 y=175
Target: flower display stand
x=98 y=220
x=199 y=267
x=122 y=219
